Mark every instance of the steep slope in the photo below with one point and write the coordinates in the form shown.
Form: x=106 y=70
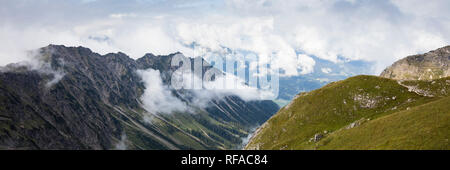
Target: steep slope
x=78 y=99
x=348 y=114
x=422 y=127
x=432 y=65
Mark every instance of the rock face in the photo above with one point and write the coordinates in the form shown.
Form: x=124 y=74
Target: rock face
x=83 y=100
x=432 y=65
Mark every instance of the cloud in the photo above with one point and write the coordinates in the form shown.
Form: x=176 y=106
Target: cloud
x=247 y=138
x=380 y=31
x=222 y=86
x=36 y=62
x=122 y=15
x=157 y=97
x=306 y=63
x=377 y=31
x=434 y=9
x=254 y=34
x=326 y=70
x=122 y=144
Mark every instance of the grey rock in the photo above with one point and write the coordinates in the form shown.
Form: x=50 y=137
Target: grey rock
x=317 y=137
x=432 y=65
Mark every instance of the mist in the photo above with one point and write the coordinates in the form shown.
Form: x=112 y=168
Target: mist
x=157 y=97
x=34 y=61
x=375 y=31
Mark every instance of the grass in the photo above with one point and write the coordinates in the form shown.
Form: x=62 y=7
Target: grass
x=333 y=107
x=421 y=127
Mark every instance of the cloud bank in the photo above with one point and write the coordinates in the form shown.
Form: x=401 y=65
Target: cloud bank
x=379 y=31
x=157 y=97
x=36 y=62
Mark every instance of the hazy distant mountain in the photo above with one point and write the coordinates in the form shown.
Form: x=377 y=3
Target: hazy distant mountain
x=323 y=72
x=78 y=99
x=368 y=112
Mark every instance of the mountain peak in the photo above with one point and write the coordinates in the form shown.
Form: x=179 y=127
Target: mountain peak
x=432 y=65
x=85 y=100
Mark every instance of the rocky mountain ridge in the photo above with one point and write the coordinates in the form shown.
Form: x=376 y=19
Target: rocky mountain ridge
x=84 y=100
x=432 y=65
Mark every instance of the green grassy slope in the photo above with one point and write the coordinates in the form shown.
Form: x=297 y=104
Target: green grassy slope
x=422 y=127
x=320 y=119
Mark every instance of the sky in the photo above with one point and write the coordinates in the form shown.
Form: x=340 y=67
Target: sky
x=290 y=31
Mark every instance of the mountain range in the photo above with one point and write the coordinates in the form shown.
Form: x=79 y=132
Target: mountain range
x=73 y=98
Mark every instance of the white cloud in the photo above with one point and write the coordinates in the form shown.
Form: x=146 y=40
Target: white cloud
x=122 y=15
x=157 y=97
x=306 y=64
x=122 y=144
x=255 y=34
x=16 y=42
x=326 y=70
x=431 y=9
x=380 y=31
x=35 y=62
x=219 y=88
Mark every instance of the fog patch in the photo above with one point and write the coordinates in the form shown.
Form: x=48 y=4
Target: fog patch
x=36 y=61
x=57 y=76
x=247 y=138
x=221 y=87
x=157 y=97
x=122 y=144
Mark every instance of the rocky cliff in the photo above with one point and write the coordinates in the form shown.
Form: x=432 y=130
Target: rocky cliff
x=77 y=99
x=432 y=65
